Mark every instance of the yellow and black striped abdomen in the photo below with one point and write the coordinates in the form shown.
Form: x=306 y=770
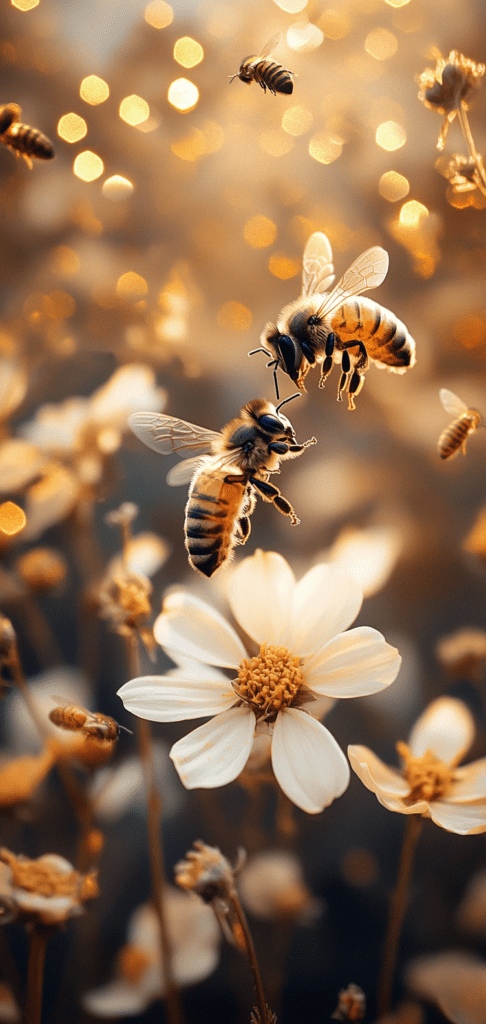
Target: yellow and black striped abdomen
x=28 y=141
x=385 y=337
x=212 y=516
x=454 y=437
x=273 y=76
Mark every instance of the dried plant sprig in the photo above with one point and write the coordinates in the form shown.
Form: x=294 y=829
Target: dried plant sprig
x=351 y=1004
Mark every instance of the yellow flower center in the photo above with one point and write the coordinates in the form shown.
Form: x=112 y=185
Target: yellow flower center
x=428 y=777
x=270 y=681
x=133 y=963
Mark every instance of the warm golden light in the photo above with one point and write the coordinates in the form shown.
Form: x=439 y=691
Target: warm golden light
x=334 y=24
x=188 y=52
x=72 y=128
x=370 y=554
x=24 y=5
x=94 y=90
x=412 y=213
x=134 y=110
x=275 y=142
x=260 y=232
x=158 y=14
x=390 y=136
x=12 y=518
x=297 y=120
x=304 y=36
x=234 y=317
x=381 y=44
x=130 y=285
x=393 y=186
x=283 y=267
x=183 y=94
x=325 y=147
x=470 y=331
x=117 y=188
x=291 y=6
x=65 y=261
x=397 y=3
x=88 y=166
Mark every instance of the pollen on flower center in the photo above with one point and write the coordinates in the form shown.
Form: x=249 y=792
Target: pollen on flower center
x=270 y=681
x=429 y=777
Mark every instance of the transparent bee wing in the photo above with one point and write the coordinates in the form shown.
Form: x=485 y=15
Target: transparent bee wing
x=183 y=472
x=166 y=434
x=67 y=702
x=452 y=403
x=368 y=271
x=270 y=46
x=318 y=270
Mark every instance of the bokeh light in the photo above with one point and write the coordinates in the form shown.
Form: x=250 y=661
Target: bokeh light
x=390 y=136
x=88 y=166
x=275 y=143
x=134 y=110
x=94 y=90
x=325 y=147
x=334 y=23
x=65 y=261
x=24 y=5
x=291 y=6
x=131 y=285
x=297 y=120
x=158 y=14
x=393 y=186
x=188 y=52
x=12 y=518
x=381 y=44
x=72 y=127
x=260 y=232
x=304 y=36
x=117 y=188
x=412 y=213
x=283 y=267
x=397 y=3
x=183 y=94
x=233 y=316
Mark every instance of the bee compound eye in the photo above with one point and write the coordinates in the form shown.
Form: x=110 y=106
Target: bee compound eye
x=270 y=423
x=287 y=353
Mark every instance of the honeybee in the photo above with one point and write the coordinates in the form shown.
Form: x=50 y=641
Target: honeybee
x=266 y=72
x=324 y=326
x=228 y=471
x=456 y=434
x=77 y=719
x=22 y=139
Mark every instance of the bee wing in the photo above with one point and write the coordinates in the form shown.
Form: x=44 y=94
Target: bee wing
x=368 y=271
x=67 y=702
x=166 y=434
x=270 y=46
x=183 y=472
x=452 y=403
x=317 y=270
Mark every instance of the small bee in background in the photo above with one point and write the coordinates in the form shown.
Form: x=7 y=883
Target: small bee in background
x=77 y=719
x=23 y=140
x=324 y=326
x=456 y=434
x=227 y=472
x=266 y=72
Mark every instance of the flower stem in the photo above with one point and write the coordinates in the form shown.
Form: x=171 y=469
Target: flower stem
x=39 y=935
x=398 y=908
x=246 y=942
x=154 y=816
x=473 y=153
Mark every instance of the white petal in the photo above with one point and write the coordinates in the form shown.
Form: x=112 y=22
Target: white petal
x=470 y=783
x=353 y=664
x=192 y=628
x=455 y=980
x=376 y=775
x=217 y=752
x=320 y=707
x=117 y=999
x=326 y=602
x=309 y=765
x=166 y=699
x=464 y=819
x=399 y=805
x=446 y=727
x=260 y=594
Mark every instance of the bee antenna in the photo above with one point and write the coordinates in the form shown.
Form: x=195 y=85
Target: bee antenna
x=231 y=78
x=296 y=395
x=255 y=350
x=275 y=381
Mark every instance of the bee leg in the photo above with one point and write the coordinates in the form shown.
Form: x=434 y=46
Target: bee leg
x=271 y=493
x=301 y=447
x=355 y=385
x=325 y=371
x=346 y=369
x=243 y=528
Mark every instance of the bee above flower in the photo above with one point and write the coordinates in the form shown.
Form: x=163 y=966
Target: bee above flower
x=305 y=660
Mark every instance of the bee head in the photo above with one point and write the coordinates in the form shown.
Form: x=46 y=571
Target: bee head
x=269 y=418
x=287 y=350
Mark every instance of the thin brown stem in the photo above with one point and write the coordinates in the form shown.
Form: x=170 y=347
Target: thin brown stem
x=16 y=669
x=154 y=820
x=245 y=935
x=473 y=153
x=38 y=937
x=398 y=908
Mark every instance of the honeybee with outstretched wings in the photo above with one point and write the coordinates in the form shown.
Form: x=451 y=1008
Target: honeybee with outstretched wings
x=268 y=73
x=226 y=472
x=339 y=326
x=465 y=422
x=69 y=715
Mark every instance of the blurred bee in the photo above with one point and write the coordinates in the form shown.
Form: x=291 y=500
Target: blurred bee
x=225 y=475
x=324 y=326
x=456 y=434
x=77 y=719
x=22 y=139
x=266 y=72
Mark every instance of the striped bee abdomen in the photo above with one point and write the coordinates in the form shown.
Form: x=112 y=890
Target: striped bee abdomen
x=29 y=141
x=273 y=76
x=454 y=437
x=211 y=524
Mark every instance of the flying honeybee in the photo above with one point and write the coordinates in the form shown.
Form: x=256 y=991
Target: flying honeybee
x=77 y=719
x=266 y=72
x=325 y=327
x=456 y=434
x=23 y=140
x=225 y=475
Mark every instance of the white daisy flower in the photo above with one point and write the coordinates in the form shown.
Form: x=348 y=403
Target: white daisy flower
x=305 y=662
x=430 y=782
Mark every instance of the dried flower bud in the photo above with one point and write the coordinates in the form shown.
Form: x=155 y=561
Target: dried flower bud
x=122 y=516
x=47 y=890
x=448 y=88
x=42 y=568
x=206 y=872
x=351 y=1004
x=463 y=654
x=20 y=777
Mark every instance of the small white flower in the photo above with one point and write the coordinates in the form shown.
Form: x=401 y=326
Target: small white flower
x=305 y=662
x=455 y=980
x=430 y=783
